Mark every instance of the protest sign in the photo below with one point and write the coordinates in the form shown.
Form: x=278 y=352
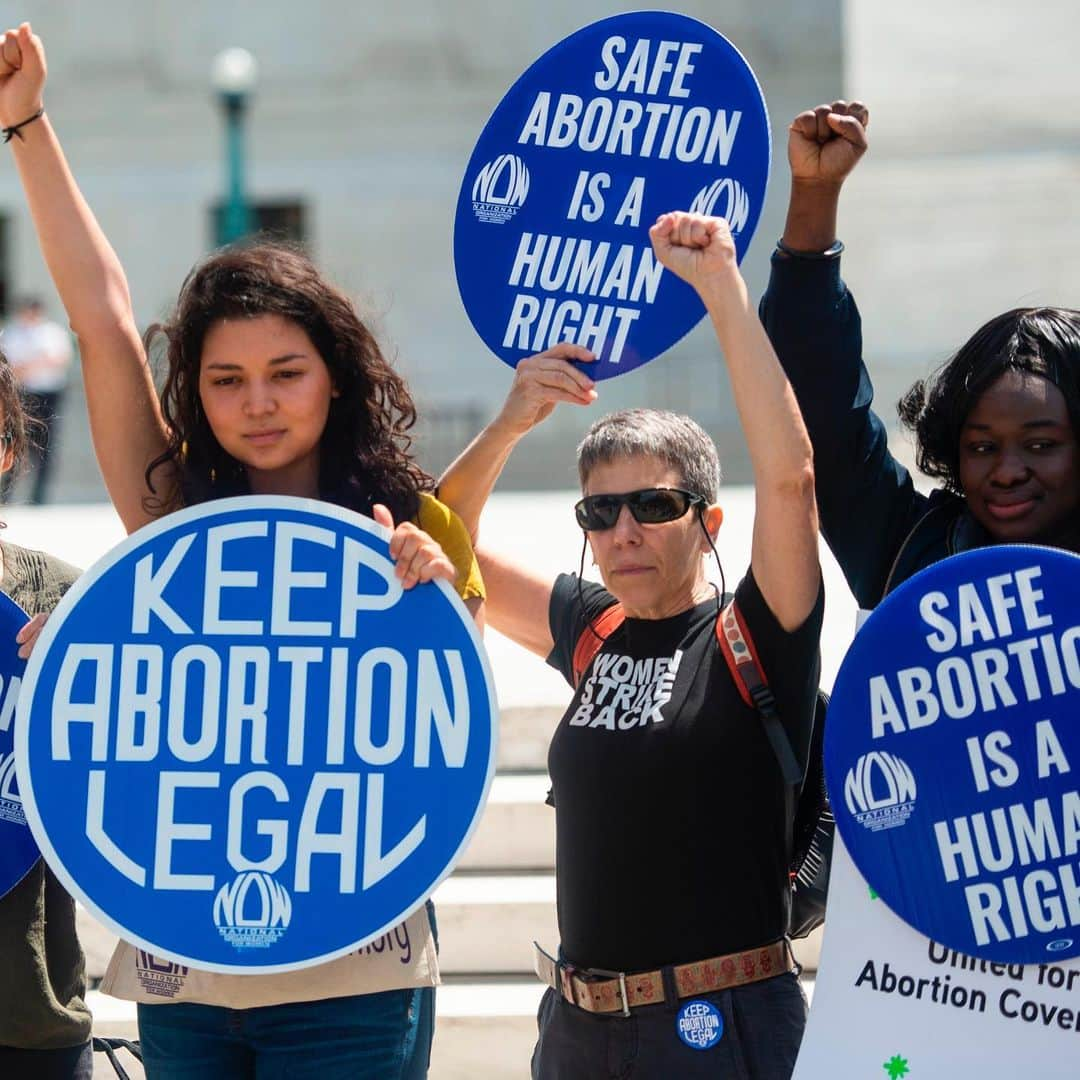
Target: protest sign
x=626 y=119
x=18 y=852
x=950 y=753
x=244 y=747
x=893 y=1004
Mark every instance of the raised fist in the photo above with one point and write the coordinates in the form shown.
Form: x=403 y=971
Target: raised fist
x=693 y=246
x=825 y=144
x=22 y=75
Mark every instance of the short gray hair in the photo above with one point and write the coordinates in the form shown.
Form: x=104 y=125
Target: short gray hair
x=678 y=441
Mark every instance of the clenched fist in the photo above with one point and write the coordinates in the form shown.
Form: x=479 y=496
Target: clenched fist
x=22 y=75
x=825 y=144
x=692 y=246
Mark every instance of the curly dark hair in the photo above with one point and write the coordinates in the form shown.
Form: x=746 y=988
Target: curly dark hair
x=365 y=448
x=1042 y=341
x=17 y=432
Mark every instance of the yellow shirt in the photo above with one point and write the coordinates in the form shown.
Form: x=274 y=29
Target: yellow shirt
x=448 y=530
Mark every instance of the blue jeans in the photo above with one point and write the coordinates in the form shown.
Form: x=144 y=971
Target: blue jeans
x=384 y=1036
x=763 y=1026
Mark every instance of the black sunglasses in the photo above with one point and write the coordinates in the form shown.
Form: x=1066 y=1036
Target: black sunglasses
x=649 y=506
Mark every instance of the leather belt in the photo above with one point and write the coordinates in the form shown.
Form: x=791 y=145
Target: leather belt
x=619 y=992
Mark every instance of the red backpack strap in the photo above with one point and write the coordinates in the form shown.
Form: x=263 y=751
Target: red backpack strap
x=738 y=648
x=594 y=635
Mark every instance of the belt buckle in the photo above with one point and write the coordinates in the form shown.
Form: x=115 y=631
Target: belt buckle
x=621 y=976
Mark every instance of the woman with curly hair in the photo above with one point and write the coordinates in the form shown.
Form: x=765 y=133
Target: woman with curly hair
x=998 y=424
x=274 y=386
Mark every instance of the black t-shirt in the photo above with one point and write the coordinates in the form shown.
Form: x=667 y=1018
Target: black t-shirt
x=670 y=818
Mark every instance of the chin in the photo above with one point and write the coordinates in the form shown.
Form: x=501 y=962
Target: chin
x=637 y=594
x=1019 y=532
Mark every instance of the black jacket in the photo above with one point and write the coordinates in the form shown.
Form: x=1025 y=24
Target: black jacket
x=880 y=528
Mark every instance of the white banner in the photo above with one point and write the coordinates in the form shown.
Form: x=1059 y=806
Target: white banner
x=890 y=1004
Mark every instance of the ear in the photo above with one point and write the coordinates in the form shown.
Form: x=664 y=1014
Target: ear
x=712 y=517
x=7 y=458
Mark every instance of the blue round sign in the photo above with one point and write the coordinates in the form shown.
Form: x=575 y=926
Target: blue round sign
x=952 y=753
x=627 y=119
x=18 y=852
x=244 y=747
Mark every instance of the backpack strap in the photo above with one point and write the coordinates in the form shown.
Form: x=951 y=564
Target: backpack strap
x=594 y=635
x=738 y=648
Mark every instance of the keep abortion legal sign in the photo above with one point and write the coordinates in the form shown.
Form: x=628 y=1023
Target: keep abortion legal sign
x=244 y=747
x=953 y=750
x=18 y=852
x=626 y=119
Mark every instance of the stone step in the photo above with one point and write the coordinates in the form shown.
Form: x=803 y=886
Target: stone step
x=488 y=922
x=517 y=831
x=524 y=735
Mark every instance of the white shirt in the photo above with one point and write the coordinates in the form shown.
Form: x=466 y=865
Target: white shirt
x=40 y=354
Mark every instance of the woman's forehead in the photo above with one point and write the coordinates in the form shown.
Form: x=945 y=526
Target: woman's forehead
x=1018 y=397
x=628 y=472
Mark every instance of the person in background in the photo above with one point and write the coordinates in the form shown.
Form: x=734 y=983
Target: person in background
x=40 y=353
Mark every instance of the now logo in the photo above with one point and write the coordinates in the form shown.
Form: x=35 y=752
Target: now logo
x=725 y=198
x=254 y=899
x=502 y=182
x=880 y=790
x=9 y=788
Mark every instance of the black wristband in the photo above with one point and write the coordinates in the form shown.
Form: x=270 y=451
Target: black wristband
x=8 y=132
x=833 y=251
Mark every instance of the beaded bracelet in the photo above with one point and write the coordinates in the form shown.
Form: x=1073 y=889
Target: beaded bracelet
x=8 y=132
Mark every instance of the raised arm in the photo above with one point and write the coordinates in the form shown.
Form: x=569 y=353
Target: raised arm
x=784 y=557
x=125 y=417
x=867 y=501
x=517 y=597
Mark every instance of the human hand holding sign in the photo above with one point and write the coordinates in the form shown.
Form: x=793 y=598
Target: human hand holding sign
x=824 y=145
x=27 y=637
x=541 y=382
x=22 y=75
x=417 y=557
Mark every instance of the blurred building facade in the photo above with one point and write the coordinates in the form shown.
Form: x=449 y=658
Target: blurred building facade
x=365 y=116
x=359 y=132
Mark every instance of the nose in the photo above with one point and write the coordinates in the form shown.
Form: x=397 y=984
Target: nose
x=1010 y=469
x=259 y=400
x=626 y=529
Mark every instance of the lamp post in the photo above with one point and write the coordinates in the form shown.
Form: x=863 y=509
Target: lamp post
x=233 y=75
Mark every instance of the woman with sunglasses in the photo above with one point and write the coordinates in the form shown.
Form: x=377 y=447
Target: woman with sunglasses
x=274 y=386
x=671 y=859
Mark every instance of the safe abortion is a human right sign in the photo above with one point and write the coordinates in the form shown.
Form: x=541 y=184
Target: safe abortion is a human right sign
x=952 y=753
x=628 y=118
x=244 y=746
x=892 y=1004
